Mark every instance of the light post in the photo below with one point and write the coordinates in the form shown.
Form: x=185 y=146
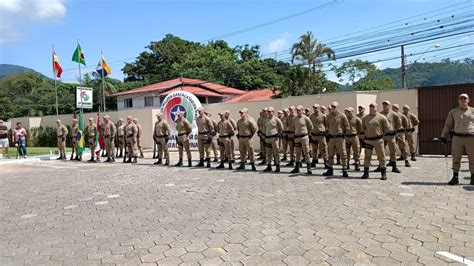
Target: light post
x=405 y=68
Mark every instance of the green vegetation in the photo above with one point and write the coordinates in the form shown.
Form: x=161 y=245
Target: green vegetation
x=35 y=151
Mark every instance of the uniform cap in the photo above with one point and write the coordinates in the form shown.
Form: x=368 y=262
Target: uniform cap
x=463 y=95
x=373 y=104
x=129 y=117
x=227 y=111
x=221 y=113
x=159 y=114
x=315 y=105
x=58 y=121
x=406 y=107
x=396 y=106
x=291 y=107
x=323 y=107
x=386 y=102
x=121 y=119
x=271 y=109
x=299 y=107
x=135 y=119
x=244 y=110
x=107 y=116
x=90 y=119
x=200 y=109
x=360 y=106
x=280 y=111
x=349 y=109
x=286 y=110
x=74 y=120
x=334 y=104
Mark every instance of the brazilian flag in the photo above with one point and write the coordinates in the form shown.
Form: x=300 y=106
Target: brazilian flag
x=80 y=136
x=78 y=55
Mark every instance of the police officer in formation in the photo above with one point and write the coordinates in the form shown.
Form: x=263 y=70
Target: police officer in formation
x=352 y=137
x=303 y=126
x=109 y=131
x=131 y=140
x=273 y=130
x=226 y=131
x=401 y=141
x=318 y=133
x=161 y=134
x=183 y=128
x=290 y=124
x=337 y=125
x=120 y=139
x=410 y=130
x=460 y=125
x=61 y=132
x=205 y=134
x=395 y=125
x=75 y=130
x=246 y=129
x=139 y=136
x=261 y=135
x=214 y=146
x=91 y=131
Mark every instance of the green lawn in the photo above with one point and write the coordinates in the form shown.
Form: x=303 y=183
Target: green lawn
x=34 y=151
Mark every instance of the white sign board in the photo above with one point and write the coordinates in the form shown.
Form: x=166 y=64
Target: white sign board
x=84 y=97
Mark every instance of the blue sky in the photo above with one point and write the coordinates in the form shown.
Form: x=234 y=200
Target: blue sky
x=123 y=28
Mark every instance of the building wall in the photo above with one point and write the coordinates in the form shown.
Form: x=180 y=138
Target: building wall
x=138 y=101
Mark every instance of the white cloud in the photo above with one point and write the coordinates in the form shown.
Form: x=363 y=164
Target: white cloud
x=18 y=15
x=278 y=44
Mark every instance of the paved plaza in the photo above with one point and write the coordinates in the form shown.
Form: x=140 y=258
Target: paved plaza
x=78 y=213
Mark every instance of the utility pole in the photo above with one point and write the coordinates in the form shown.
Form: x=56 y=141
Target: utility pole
x=404 y=70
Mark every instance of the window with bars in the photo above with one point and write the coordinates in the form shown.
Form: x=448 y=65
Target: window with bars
x=128 y=103
x=148 y=101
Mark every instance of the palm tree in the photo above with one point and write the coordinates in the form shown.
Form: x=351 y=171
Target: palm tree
x=310 y=50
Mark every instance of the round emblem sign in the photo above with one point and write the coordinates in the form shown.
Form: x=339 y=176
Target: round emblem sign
x=180 y=101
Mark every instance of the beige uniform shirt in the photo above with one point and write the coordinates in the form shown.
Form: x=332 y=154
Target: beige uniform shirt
x=161 y=129
x=62 y=131
x=261 y=124
x=284 y=121
x=204 y=124
x=246 y=128
x=355 y=125
x=91 y=130
x=375 y=125
x=225 y=128
x=131 y=130
x=337 y=123
x=109 y=129
x=360 y=115
x=303 y=125
x=412 y=120
x=394 y=121
x=404 y=120
x=319 y=123
x=291 y=124
x=120 y=130
x=183 y=126
x=139 y=130
x=459 y=120
x=273 y=126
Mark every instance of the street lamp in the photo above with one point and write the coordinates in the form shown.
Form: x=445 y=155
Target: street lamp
x=405 y=69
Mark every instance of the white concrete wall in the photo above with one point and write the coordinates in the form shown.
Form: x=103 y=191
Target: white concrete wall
x=138 y=101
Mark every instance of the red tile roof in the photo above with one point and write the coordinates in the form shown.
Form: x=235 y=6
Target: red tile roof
x=255 y=95
x=173 y=83
x=194 y=90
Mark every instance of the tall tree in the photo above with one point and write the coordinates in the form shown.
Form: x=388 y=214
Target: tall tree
x=362 y=75
x=309 y=51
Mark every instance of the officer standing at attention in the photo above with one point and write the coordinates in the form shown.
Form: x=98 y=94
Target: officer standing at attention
x=261 y=134
x=246 y=128
x=361 y=115
x=352 y=139
x=395 y=124
x=232 y=142
x=318 y=139
x=273 y=130
x=74 y=129
x=284 y=136
x=280 y=141
x=460 y=121
x=410 y=131
x=205 y=132
x=401 y=142
x=337 y=125
x=161 y=135
x=303 y=126
x=110 y=130
x=375 y=127
x=139 y=137
x=91 y=130
x=62 y=132
x=214 y=146
x=183 y=127
x=131 y=134
x=225 y=130
x=120 y=137
x=290 y=122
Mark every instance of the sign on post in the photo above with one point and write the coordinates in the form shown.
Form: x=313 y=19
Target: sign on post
x=84 y=97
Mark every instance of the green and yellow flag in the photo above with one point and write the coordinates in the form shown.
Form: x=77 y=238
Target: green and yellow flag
x=80 y=136
x=78 y=55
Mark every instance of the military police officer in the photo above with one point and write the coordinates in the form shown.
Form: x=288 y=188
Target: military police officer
x=139 y=136
x=110 y=130
x=120 y=137
x=273 y=130
x=318 y=139
x=410 y=131
x=183 y=127
x=290 y=122
x=246 y=128
x=352 y=137
x=401 y=141
x=61 y=131
x=226 y=131
x=395 y=124
x=75 y=130
x=161 y=135
x=131 y=140
x=337 y=125
x=205 y=134
x=261 y=134
x=91 y=131
x=302 y=127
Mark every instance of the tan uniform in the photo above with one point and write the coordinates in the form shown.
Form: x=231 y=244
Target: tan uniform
x=121 y=137
x=375 y=127
x=205 y=131
x=273 y=129
x=74 y=131
x=109 y=134
x=214 y=145
x=395 y=124
x=303 y=126
x=225 y=130
x=462 y=123
x=62 y=132
x=290 y=121
x=284 y=136
x=245 y=131
x=361 y=134
x=401 y=141
x=337 y=124
x=352 y=139
x=410 y=131
x=232 y=139
x=261 y=134
x=318 y=139
x=139 y=138
x=91 y=131
x=161 y=135
x=184 y=129
x=131 y=139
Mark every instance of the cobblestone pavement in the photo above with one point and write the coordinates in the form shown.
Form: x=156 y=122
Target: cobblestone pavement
x=77 y=213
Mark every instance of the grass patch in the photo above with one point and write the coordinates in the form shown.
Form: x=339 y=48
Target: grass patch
x=35 y=151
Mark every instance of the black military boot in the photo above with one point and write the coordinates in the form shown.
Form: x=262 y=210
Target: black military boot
x=401 y=158
x=314 y=162
x=268 y=169
x=472 y=179
x=264 y=162
x=180 y=163
x=253 y=167
x=357 y=167
x=230 y=166
x=366 y=173
x=329 y=172
x=296 y=169
x=390 y=163
x=407 y=163
x=291 y=163
x=158 y=161
x=215 y=160
x=141 y=155
x=124 y=159
x=308 y=169
x=241 y=166
x=383 y=171
x=348 y=166
x=338 y=160
x=377 y=169
x=129 y=160
x=395 y=168
x=413 y=157
x=326 y=165
x=277 y=168
x=201 y=163
x=72 y=157
x=189 y=163
x=112 y=159
x=167 y=162
x=108 y=160
x=284 y=158
x=135 y=160
x=221 y=165
x=455 y=179
x=208 y=162
x=344 y=173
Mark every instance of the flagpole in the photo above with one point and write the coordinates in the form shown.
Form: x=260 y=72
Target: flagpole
x=103 y=83
x=81 y=110
x=55 y=86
